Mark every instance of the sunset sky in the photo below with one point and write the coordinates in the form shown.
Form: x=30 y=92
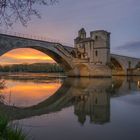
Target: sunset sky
x=25 y=56
x=63 y=20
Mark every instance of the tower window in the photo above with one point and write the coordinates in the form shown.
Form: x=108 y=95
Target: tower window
x=96 y=53
x=96 y=101
x=96 y=37
x=129 y=64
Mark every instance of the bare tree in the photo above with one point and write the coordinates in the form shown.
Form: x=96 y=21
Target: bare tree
x=2 y=86
x=20 y=10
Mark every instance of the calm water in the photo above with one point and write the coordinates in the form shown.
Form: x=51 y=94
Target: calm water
x=73 y=109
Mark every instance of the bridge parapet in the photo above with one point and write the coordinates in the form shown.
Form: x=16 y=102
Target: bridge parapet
x=34 y=37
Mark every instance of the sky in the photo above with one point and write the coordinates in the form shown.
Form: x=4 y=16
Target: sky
x=20 y=56
x=63 y=20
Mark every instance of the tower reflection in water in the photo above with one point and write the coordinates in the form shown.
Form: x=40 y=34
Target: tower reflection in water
x=95 y=104
x=92 y=97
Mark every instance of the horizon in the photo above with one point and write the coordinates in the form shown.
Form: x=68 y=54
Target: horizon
x=27 y=63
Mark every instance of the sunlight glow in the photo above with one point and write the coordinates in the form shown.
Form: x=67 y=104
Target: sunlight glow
x=25 y=56
x=28 y=94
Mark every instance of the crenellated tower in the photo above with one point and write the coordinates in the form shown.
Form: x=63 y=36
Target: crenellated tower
x=101 y=54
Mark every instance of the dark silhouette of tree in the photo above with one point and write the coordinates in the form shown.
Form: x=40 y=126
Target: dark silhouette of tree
x=2 y=86
x=20 y=10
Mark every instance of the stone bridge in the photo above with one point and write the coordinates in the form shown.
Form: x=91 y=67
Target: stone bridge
x=124 y=65
x=90 y=57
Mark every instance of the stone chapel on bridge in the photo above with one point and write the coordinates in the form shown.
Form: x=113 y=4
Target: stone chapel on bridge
x=96 y=48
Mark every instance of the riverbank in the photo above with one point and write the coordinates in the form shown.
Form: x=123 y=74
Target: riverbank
x=32 y=74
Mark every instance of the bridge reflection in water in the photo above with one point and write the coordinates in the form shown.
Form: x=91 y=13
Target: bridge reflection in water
x=90 y=97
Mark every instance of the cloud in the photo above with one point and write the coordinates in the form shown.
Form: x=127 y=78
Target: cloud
x=25 y=56
x=134 y=45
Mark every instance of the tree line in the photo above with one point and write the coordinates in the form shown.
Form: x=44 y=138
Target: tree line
x=36 y=67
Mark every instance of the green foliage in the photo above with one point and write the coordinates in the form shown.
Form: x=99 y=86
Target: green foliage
x=36 y=67
x=10 y=132
x=3 y=125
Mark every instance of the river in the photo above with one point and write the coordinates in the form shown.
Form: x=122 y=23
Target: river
x=48 y=107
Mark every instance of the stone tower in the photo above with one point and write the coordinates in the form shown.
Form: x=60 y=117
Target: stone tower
x=84 y=45
x=101 y=54
x=95 y=48
x=82 y=33
x=92 y=53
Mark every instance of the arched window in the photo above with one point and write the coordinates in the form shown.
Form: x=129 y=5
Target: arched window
x=96 y=101
x=96 y=53
x=96 y=37
x=129 y=64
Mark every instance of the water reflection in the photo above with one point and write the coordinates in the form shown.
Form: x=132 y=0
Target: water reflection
x=90 y=97
x=22 y=91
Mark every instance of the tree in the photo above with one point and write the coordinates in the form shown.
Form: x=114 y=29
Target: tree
x=20 y=10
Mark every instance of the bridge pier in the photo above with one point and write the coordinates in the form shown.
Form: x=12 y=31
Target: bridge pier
x=90 y=71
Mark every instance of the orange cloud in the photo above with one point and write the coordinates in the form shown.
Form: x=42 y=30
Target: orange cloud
x=25 y=56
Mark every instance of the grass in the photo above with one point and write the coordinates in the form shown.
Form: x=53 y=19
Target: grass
x=9 y=131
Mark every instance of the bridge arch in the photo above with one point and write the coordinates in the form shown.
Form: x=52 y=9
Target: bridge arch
x=117 y=67
x=82 y=70
x=54 y=50
x=52 y=104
